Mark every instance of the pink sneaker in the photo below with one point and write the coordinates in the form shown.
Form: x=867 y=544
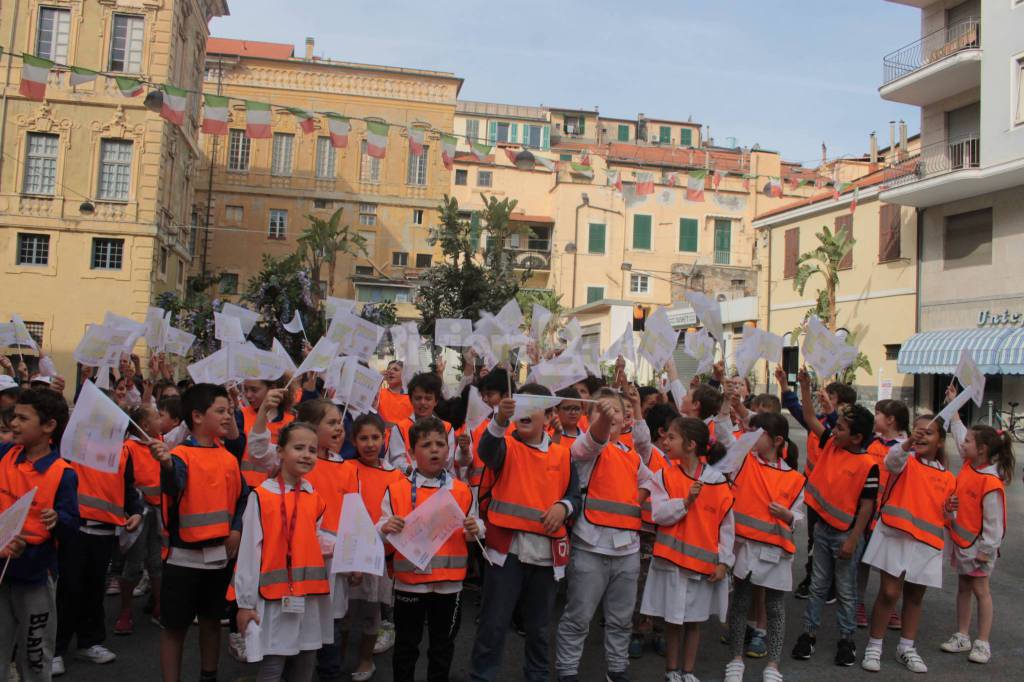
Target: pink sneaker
x=862 y=616
x=124 y=625
x=895 y=621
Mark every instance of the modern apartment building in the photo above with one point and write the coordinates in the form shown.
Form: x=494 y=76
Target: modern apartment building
x=966 y=72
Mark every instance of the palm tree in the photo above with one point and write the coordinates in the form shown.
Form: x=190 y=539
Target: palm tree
x=321 y=243
x=824 y=260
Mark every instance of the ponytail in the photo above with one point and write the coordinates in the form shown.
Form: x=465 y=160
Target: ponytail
x=1000 y=449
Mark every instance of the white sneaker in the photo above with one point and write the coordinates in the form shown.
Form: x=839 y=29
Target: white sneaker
x=981 y=653
x=673 y=676
x=236 y=646
x=957 y=643
x=911 y=659
x=872 y=659
x=734 y=671
x=690 y=677
x=365 y=675
x=12 y=673
x=142 y=589
x=771 y=674
x=57 y=666
x=385 y=637
x=97 y=653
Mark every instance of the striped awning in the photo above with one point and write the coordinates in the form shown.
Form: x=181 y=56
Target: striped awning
x=938 y=352
x=1011 y=353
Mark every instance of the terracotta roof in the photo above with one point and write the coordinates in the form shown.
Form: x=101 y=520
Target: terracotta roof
x=249 y=48
x=526 y=218
x=470 y=157
x=870 y=180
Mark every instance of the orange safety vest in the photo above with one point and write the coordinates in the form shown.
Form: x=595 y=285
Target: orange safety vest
x=208 y=502
x=253 y=477
x=835 y=484
x=405 y=424
x=449 y=564
x=101 y=494
x=18 y=478
x=627 y=439
x=146 y=470
x=308 y=572
x=530 y=482
x=332 y=480
x=812 y=454
x=393 y=407
x=478 y=469
x=972 y=486
x=916 y=503
x=756 y=486
x=371 y=483
x=877 y=449
x=612 y=496
x=657 y=462
x=692 y=542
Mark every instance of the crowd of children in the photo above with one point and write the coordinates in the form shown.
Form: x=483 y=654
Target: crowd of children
x=227 y=502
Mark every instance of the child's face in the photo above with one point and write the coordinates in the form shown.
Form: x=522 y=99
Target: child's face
x=151 y=424
x=676 y=445
x=583 y=390
x=843 y=437
x=166 y=422
x=766 y=446
x=170 y=392
x=368 y=443
x=690 y=408
x=216 y=421
x=254 y=392
x=330 y=432
x=884 y=423
x=627 y=415
x=971 y=449
x=531 y=427
x=569 y=413
x=423 y=402
x=393 y=375
x=648 y=402
x=431 y=453
x=298 y=456
x=491 y=396
x=27 y=428
x=927 y=439
x=121 y=392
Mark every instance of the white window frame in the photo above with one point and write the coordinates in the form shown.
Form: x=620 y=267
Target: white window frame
x=134 y=41
x=472 y=130
x=527 y=127
x=114 y=181
x=239 y=151
x=1018 y=85
x=489 y=175
x=39 y=250
x=369 y=166
x=277 y=224
x=234 y=214
x=106 y=254
x=41 y=164
x=417 y=216
x=395 y=258
x=416 y=173
x=325 y=158
x=59 y=38
x=367 y=214
x=281 y=155
x=639 y=283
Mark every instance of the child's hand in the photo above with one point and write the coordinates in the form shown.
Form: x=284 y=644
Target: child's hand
x=780 y=512
x=355 y=579
x=554 y=518
x=721 y=570
x=952 y=504
x=632 y=395
x=5 y=364
x=983 y=557
x=718 y=371
x=950 y=393
x=13 y=549
x=471 y=527
x=231 y=544
x=393 y=525
x=694 y=491
x=803 y=378
x=272 y=401
x=246 y=616
x=463 y=442
x=555 y=423
x=49 y=518
x=133 y=522
x=825 y=402
x=781 y=379
x=57 y=384
x=160 y=453
x=846 y=550
x=506 y=408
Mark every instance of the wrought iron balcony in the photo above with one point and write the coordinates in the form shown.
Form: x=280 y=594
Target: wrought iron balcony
x=936 y=159
x=930 y=49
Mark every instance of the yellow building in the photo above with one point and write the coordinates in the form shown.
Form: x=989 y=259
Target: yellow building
x=877 y=293
x=96 y=191
x=264 y=189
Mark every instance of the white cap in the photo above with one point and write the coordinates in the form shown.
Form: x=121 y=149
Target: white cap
x=41 y=379
x=7 y=383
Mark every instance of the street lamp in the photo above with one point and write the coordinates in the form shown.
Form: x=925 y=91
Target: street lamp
x=87 y=208
x=525 y=160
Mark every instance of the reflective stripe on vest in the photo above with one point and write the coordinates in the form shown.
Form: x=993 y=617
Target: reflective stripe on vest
x=677 y=545
x=299 y=574
x=518 y=510
x=763 y=526
x=827 y=506
x=901 y=513
x=436 y=562
x=247 y=465
x=101 y=504
x=149 y=490
x=201 y=520
x=961 y=533
x=612 y=507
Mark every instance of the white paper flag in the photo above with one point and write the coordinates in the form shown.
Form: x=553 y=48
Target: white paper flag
x=452 y=333
x=246 y=361
x=757 y=344
x=323 y=352
x=227 y=329
x=824 y=351
x=358 y=386
x=95 y=433
x=358 y=548
x=336 y=306
x=708 y=310
x=156 y=328
x=539 y=321
x=427 y=528
x=116 y=321
x=12 y=520
x=178 y=341
x=93 y=346
x=659 y=339
x=701 y=347
x=364 y=340
x=970 y=377
x=510 y=317
x=8 y=335
x=477 y=411
x=624 y=346
x=528 y=404
x=736 y=452
x=46 y=366
x=213 y=369
x=561 y=372
x=285 y=359
x=953 y=407
x=295 y=326
x=247 y=317
x=572 y=331
x=21 y=335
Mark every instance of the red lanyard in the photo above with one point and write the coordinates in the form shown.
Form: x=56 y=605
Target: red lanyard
x=289 y=527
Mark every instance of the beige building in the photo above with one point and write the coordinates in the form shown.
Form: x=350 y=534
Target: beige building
x=96 y=191
x=264 y=189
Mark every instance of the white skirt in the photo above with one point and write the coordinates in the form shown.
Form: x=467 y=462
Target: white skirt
x=376 y=589
x=286 y=634
x=899 y=554
x=339 y=594
x=763 y=565
x=680 y=596
x=965 y=561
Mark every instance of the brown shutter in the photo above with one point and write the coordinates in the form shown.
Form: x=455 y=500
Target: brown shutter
x=844 y=224
x=792 y=253
x=889 y=224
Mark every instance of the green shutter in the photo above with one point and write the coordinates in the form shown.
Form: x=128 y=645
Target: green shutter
x=666 y=135
x=474 y=230
x=565 y=157
x=513 y=135
x=685 y=137
x=688 y=235
x=623 y=132
x=642 y=232
x=595 y=244
x=545 y=142
x=492 y=132
x=594 y=294
x=723 y=241
x=583 y=122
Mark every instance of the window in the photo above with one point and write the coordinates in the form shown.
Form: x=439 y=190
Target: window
x=1020 y=91
x=324 y=158
x=35 y=330
x=281 y=159
x=228 y=283
x=423 y=260
x=41 y=164
x=367 y=214
x=665 y=135
x=417 y=171
x=323 y=203
x=238 y=150
x=472 y=130
x=369 y=167
x=565 y=157
x=844 y=225
x=364 y=270
x=723 y=241
x=375 y=294
x=233 y=214
x=594 y=294
x=126 y=40
x=501 y=132
x=573 y=125
x=639 y=284
x=163 y=261
x=417 y=216
x=33 y=249
x=642 y=232
x=115 y=169
x=685 y=137
x=461 y=177
x=52 y=34
x=399 y=259
x=892 y=351
x=688 y=235
x=278 y=223
x=107 y=254
x=483 y=178
x=888 y=233
x=968 y=239
x=533 y=136
x=623 y=135
x=792 y=253
x=595 y=242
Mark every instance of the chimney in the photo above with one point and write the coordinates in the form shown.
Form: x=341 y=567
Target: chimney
x=309 y=49
x=892 y=139
x=873 y=145
x=903 y=138
x=824 y=153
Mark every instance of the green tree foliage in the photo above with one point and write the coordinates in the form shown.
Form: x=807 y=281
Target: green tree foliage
x=322 y=242
x=281 y=287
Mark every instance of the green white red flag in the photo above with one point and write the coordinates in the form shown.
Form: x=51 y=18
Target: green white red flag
x=773 y=188
x=615 y=179
x=416 y=135
x=644 y=183
x=339 y=127
x=257 y=120
x=580 y=169
x=695 y=185
x=716 y=179
x=129 y=87
x=672 y=179
x=173 y=109
x=511 y=154
x=215 y=115
x=80 y=76
x=307 y=122
x=448 y=145
x=547 y=163
x=853 y=201
x=480 y=151
x=376 y=139
x=585 y=157
x=35 y=72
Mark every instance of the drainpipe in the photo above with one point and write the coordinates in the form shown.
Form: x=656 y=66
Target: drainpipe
x=917 y=297
x=7 y=83
x=768 y=303
x=576 y=253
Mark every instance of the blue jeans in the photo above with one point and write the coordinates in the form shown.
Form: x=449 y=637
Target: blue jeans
x=826 y=566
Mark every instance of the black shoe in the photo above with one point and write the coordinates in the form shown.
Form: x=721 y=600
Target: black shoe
x=803 y=590
x=831 y=598
x=846 y=653
x=804 y=648
x=568 y=678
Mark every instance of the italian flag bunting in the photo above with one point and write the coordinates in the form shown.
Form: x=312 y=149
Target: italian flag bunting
x=173 y=109
x=448 y=144
x=853 y=201
x=339 y=126
x=376 y=139
x=511 y=154
x=35 y=71
x=716 y=179
x=547 y=163
x=644 y=183
x=695 y=185
x=672 y=179
x=838 y=189
x=580 y=169
x=257 y=120
x=480 y=151
x=585 y=157
x=215 y=115
x=615 y=179
x=416 y=140
x=746 y=183
x=306 y=120
x=773 y=188
x=80 y=76
x=129 y=87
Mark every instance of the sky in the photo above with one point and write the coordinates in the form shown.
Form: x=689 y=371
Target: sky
x=787 y=75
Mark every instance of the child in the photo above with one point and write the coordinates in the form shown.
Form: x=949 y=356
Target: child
x=907 y=545
x=536 y=489
x=977 y=532
x=769 y=502
x=605 y=561
x=28 y=610
x=493 y=389
x=145 y=551
x=280 y=578
x=169 y=414
x=704 y=403
x=255 y=391
x=203 y=500
x=425 y=392
x=842 y=489
x=693 y=548
x=429 y=596
x=6 y=435
x=565 y=428
x=393 y=405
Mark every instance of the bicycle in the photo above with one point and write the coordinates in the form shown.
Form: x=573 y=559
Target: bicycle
x=1007 y=420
